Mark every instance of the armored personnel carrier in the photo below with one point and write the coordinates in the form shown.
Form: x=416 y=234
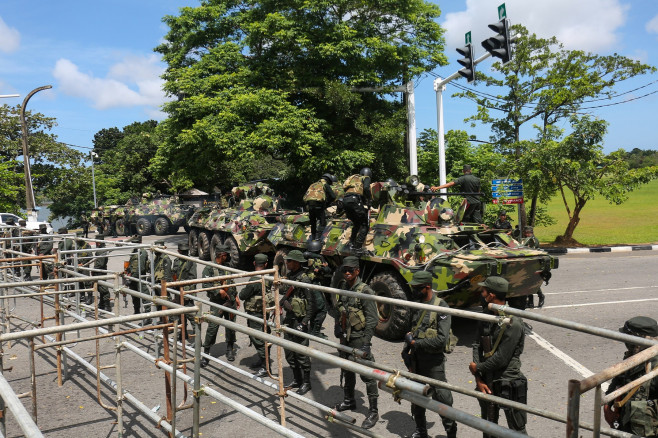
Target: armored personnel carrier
x=109 y=217
x=160 y=215
x=412 y=229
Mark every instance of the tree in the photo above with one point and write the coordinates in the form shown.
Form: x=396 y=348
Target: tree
x=581 y=171
x=10 y=186
x=279 y=79
x=106 y=140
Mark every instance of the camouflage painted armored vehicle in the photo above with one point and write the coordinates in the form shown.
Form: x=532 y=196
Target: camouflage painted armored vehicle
x=413 y=230
x=242 y=223
x=107 y=217
x=160 y=215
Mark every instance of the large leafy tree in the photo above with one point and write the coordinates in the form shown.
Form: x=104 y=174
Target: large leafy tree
x=285 y=80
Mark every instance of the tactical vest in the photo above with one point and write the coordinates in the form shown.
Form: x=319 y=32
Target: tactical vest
x=160 y=269
x=638 y=411
x=354 y=184
x=255 y=303
x=431 y=330
x=356 y=318
x=315 y=192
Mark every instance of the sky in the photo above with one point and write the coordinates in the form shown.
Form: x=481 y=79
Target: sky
x=98 y=56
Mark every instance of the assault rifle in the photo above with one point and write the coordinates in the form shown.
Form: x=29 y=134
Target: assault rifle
x=485 y=342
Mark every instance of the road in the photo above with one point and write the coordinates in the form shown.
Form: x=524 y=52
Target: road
x=598 y=289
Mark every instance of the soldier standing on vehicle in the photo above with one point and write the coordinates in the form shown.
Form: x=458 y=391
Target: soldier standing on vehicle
x=497 y=359
x=467 y=183
x=636 y=411
x=137 y=269
x=252 y=297
x=503 y=222
x=299 y=306
x=318 y=197
x=185 y=270
x=356 y=320
x=45 y=247
x=426 y=347
x=356 y=204
x=224 y=295
x=531 y=241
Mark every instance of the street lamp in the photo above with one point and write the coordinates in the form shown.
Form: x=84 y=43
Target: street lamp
x=29 y=193
x=93 y=155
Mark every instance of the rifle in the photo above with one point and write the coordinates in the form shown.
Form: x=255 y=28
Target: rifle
x=284 y=303
x=485 y=342
x=408 y=357
x=343 y=339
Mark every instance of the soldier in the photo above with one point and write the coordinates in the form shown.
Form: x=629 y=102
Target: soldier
x=497 y=359
x=84 y=223
x=137 y=269
x=470 y=184
x=318 y=197
x=503 y=223
x=161 y=267
x=224 y=296
x=636 y=411
x=356 y=320
x=532 y=242
x=45 y=247
x=320 y=274
x=427 y=345
x=299 y=306
x=356 y=204
x=100 y=264
x=185 y=270
x=66 y=244
x=27 y=246
x=252 y=297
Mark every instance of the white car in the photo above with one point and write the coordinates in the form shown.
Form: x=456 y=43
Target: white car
x=29 y=225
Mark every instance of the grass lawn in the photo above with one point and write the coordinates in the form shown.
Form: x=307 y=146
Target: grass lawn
x=602 y=223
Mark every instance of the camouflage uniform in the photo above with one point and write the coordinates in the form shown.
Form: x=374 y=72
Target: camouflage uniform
x=318 y=197
x=503 y=224
x=319 y=276
x=137 y=269
x=185 y=270
x=215 y=297
x=28 y=247
x=100 y=264
x=533 y=242
x=356 y=203
x=45 y=247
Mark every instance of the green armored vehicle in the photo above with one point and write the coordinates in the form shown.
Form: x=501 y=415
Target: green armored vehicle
x=242 y=222
x=160 y=215
x=109 y=217
x=413 y=230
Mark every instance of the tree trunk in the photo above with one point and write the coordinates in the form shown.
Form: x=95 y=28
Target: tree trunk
x=574 y=220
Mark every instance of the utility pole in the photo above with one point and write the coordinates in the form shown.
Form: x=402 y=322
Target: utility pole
x=93 y=155
x=29 y=193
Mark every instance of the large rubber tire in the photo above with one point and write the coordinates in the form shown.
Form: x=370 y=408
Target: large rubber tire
x=120 y=227
x=280 y=262
x=192 y=240
x=214 y=242
x=394 y=322
x=237 y=259
x=161 y=226
x=204 y=245
x=143 y=226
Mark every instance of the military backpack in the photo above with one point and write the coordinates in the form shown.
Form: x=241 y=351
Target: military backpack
x=315 y=192
x=354 y=184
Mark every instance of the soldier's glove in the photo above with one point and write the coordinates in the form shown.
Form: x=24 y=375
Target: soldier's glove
x=338 y=331
x=285 y=304
x=408 y=338
x=301 y=327
x=366 y=348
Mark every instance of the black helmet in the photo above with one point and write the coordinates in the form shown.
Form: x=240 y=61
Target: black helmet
x=328 y=177
x=366 y=171
x=314 y=246
x=334 y=179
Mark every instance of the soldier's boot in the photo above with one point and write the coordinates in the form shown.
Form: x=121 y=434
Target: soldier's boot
x=348 y=403
x=452 y=433
x=541 y=297
x=90 y=298
x=230 y=352
x=531 y=302
x=421 y=427
x=262 y=372
x=306 y=385
x=373 y=414
x=297 y=379
x=258 y=364
x=204 y=360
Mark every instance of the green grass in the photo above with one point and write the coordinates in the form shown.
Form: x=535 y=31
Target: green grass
x=602 y=223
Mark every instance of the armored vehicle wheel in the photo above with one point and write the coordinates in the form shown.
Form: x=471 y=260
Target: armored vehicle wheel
x=161 y=226
x=192 y=241
x=280 y=262
x=216 y=240
x=120 y=227
x=143 y=226
x=204 y=245
x=237 y=259
x=393 y=321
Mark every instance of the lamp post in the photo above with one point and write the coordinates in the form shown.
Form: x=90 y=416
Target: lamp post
x=93 y=155
x=29 y=193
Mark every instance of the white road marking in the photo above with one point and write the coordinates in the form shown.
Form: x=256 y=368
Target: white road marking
x=600 y=304
x=600 y=290
x=568 y=360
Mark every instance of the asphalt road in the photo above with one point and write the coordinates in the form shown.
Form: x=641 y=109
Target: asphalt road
x=598 y=289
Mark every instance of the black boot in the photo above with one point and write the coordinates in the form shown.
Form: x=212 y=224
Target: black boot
x=373 y=415
x=204 y=360
x=348 y=403
x=258 y=364
x=421 y=423
x=230 y=352
x=531 y=302
x=306 y=386
x=452 y=433
x=297 y=379
x=541 y=297
x=262 y=372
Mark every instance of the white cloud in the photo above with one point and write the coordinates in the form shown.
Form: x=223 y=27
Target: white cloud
x=135 y=81
x=10 y=38
x=652 y=25
x=589 y=25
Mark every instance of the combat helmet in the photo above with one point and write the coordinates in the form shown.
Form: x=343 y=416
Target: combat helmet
x=366 y=172
x=328 y=177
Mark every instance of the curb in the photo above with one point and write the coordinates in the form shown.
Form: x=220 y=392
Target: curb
x=601 y=249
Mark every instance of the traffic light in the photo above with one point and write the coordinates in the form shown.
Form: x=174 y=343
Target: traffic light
x=469 y=65
x=499 y=45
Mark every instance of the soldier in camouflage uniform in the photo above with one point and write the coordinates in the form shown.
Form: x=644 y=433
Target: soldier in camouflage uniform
x=636 y=411
x=161 y=269
x=100 y=264
x=84 y=259
x=427 y=341
x=185 y=270
x=224 y=296
x=531 y=241
x=356 y=320
x=356 y=204
x=252 y=297
x=299 y=306
x=470 y=184
x=503 y=222
x=320 y=273
x=318 y=197
x=45 y=247
x=27 y=247
x=137 y=269
x=497 y=359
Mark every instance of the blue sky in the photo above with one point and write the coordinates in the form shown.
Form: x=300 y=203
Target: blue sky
x=98 y=56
